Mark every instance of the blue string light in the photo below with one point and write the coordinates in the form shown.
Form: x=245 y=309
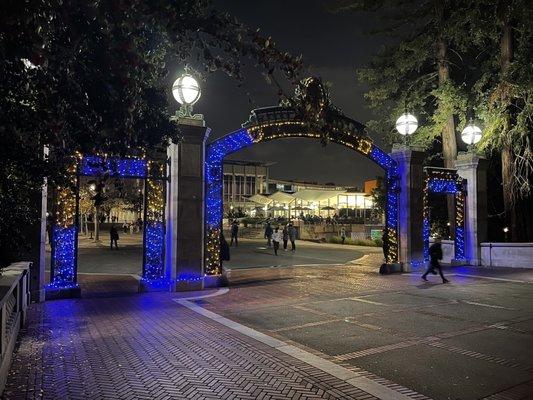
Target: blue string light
x=154 y=251
x=445 y=181
x=216 y=152
x=117 y=167
x=459 y=243
x=386 y=162
x=443 y=186
x=64 y=238
x=64 y=256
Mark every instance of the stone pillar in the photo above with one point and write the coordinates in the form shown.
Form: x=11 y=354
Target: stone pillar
x=185 y=223
x=410 y=219
x=473 y=168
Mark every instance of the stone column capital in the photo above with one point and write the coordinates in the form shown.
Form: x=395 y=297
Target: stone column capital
x=469 y=160
x=194 y=134
x=407 y=154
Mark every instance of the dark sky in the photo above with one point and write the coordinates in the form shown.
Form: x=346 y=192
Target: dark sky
x=333 y=47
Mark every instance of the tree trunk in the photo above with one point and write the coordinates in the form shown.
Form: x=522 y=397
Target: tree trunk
x=449 y=142
x=97 y=224
x=514 y=219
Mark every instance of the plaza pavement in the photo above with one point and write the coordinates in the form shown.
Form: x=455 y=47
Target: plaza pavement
x=305 y=331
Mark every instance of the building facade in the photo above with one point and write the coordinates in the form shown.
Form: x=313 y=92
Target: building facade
x=249 y=190
x=243 y=179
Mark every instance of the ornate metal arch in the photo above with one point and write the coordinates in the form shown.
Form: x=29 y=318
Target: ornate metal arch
x=271 y=123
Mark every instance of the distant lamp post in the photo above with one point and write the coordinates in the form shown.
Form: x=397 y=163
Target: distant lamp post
x=471 y=135
x=406 y=125
x=186 y=91
x=506 y=233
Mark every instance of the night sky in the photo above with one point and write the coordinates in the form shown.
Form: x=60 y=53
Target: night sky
x=333 y=47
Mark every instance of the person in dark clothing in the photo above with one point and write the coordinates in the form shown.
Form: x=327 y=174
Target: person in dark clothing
x=113 y=235
x=435 y=254
x=224 y=250
x=268 y=234
x=234 y=233
x=292 y=236
x=276 y=238
x=285 y=234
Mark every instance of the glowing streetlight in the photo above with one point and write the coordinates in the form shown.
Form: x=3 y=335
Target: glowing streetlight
x=186 y=91
x=471 y=135
x=407 y=124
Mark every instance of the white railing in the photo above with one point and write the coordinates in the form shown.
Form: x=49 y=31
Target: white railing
x=15 y=297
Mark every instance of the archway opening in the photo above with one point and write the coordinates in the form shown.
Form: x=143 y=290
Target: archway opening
x=282 y=122
x=300 y=186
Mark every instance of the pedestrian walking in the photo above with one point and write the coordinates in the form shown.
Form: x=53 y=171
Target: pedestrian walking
x=435 y=254
x=277 y=237
x=224 y=250
x=234 y=233
x=292 y=236
x=285 y=234
x=343 y=235
x=113 y=236
x=268 y=234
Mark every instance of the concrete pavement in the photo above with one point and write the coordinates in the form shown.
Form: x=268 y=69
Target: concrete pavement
x=252 y=253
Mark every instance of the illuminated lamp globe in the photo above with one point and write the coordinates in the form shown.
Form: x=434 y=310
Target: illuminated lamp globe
x=471 y=134
x=186 y=90
x=406 y=124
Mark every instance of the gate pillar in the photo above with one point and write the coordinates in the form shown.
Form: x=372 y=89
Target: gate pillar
x=474 y=169
x=185 y=215
x=410 y=216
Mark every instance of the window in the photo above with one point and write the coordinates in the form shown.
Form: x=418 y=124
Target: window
x=239 y=187
x=227 y=190
x=250 y=185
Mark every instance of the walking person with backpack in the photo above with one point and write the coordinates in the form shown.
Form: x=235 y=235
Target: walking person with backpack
x=435 y=254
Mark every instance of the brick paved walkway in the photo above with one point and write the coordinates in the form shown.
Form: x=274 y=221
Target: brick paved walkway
x=149 y=347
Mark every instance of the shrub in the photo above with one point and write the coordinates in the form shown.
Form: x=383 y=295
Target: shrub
x=357 y=242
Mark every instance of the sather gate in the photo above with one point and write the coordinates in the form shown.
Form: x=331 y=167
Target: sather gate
x=184 y=195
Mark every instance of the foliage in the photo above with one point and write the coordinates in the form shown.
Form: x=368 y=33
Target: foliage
x=357 y=242
x=379 y=197
x=91 y=76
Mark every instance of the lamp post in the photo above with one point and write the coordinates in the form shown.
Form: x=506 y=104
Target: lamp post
x=406 y=125
x=186 y=91
x=185 y=211
x=471 y=135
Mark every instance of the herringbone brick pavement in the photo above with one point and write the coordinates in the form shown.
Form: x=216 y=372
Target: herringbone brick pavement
x=148 y=347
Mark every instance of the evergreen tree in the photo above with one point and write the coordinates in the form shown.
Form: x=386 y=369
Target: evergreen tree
x=446 y=57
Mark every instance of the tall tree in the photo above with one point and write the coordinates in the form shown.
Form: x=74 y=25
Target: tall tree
x=505 y=91
x=414 y=71
x=489 y=44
